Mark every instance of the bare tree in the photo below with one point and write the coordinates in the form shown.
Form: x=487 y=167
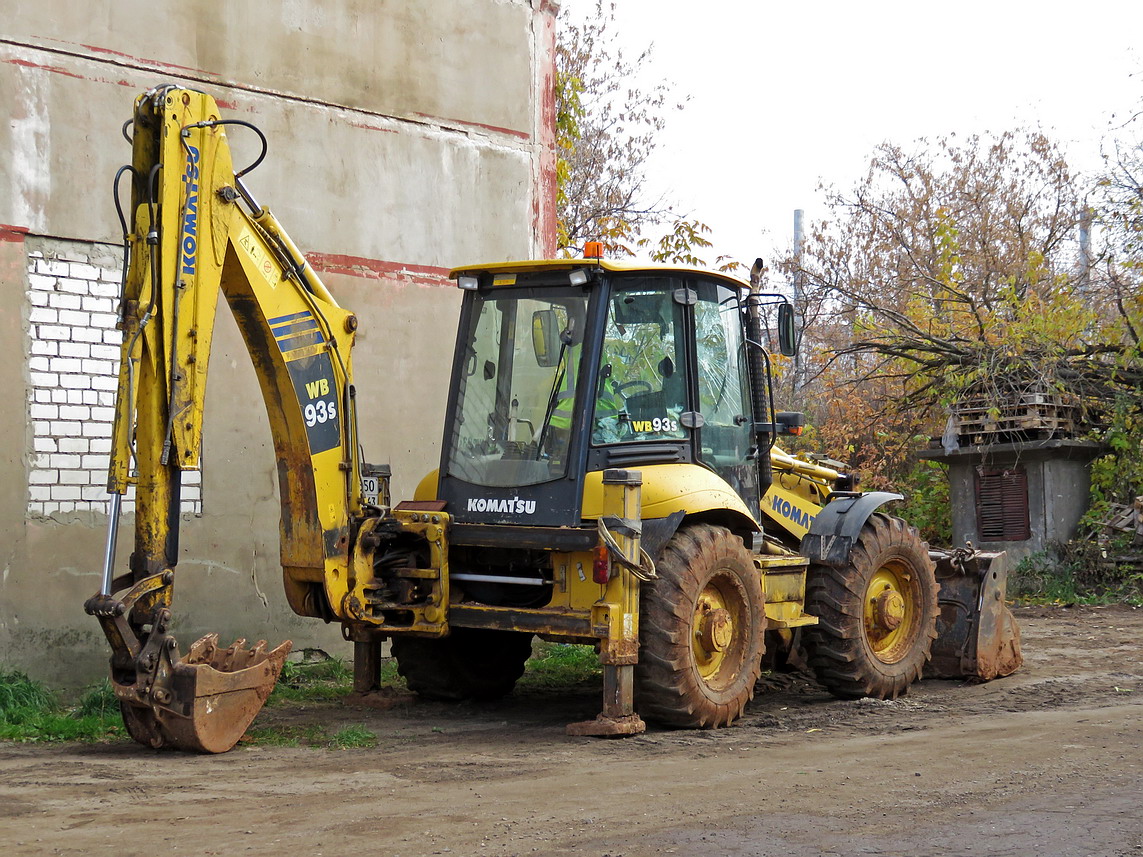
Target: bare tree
x=956 y=266
x=606 y=130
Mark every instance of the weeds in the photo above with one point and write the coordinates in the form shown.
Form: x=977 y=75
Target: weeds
x=19 y=694
x=31 y=712
x=351 y=738
x=1073 y=574
x=285 y=736
x=325 y=680
x=98 y=701
x=560 y=665
x=346 y=738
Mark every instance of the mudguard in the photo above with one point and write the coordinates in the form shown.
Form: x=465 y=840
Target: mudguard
x=837 y=526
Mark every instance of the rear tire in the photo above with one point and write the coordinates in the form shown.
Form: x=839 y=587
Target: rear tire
x=877 y=615
x=470 y=663
x=700 y=631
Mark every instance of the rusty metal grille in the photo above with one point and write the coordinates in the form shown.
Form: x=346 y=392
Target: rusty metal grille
x=1002 y=505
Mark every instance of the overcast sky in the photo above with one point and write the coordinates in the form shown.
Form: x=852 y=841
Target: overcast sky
x=784 y=95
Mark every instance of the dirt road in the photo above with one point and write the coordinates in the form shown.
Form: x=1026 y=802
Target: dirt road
x=1049 y=761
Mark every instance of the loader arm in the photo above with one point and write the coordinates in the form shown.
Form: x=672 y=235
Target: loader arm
x=195 y=231
x=815 y=508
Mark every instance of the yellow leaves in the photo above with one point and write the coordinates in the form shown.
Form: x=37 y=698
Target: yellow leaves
x=679 y=245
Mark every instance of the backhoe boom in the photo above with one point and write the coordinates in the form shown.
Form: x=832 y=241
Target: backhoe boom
x=195 y=230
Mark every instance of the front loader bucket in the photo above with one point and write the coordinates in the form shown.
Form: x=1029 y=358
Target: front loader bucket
x=977 y=635
x=205 y=701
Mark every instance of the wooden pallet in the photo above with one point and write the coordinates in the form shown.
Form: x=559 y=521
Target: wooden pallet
x=1033 y=416
x=1126 y=520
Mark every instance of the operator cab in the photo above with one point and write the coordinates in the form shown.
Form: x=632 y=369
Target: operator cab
x=574 y=366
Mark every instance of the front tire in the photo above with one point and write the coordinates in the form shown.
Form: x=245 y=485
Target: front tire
x=877 y=615
x=470 y=663
x=700 y=631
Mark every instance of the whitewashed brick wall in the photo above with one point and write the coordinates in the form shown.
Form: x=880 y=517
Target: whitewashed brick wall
x=74 y=366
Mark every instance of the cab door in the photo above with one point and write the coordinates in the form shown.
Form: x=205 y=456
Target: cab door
x=725 y=432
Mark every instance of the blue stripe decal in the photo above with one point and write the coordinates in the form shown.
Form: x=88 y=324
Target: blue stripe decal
x=294 y=329
x=288 y=318
x=302 y=340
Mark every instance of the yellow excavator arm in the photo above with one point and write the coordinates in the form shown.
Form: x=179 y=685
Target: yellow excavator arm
x=195 y=231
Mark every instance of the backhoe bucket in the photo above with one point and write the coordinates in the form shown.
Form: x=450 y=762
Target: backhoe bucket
x=205 y=701
x=977 y=635
x=202 y=702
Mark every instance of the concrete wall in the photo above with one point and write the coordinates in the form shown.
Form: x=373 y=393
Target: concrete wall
x=1059 y=482
x=406 y=136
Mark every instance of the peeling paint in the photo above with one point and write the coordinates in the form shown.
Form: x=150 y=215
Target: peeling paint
x=31 y=153
x=72 y=571
x=358 y=266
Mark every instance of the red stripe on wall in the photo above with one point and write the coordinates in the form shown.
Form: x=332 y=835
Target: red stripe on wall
x=376 y=269
x=12 y=234
x=134 y=59
x=511 y=132
x=52 y=68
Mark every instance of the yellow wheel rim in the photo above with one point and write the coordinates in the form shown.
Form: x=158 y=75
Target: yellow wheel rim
x=891 y=616
x=716 y=627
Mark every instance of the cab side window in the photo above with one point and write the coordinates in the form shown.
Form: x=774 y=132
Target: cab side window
x=726 y=436
x=642 y=387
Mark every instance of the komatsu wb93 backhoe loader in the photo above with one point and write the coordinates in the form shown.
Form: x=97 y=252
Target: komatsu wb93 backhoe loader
x=608 y=477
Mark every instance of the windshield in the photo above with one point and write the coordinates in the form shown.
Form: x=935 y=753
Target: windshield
x=519 y=370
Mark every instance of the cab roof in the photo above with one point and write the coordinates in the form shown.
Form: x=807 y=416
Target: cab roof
x=539 y=265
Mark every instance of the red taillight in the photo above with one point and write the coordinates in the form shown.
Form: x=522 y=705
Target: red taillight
x=601 y=565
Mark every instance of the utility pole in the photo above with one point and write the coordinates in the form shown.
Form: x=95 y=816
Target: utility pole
x=799 y=378
x=1085 y=257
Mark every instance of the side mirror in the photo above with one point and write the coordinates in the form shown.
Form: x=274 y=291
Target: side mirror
x=545 y=337
x=787 y=333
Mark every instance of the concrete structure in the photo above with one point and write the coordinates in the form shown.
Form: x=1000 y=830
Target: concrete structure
x=1018 y=497
x=405 y=138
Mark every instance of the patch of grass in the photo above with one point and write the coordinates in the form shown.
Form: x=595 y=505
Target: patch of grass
x=29 y=711
x=99 y=700
x=19 y=693
x=347 y=738
x=269 y=736
x=352 y=737
x=390 y=677
x=560 y=665
x=324 y=680
x=1073 y=576
x=285 y=736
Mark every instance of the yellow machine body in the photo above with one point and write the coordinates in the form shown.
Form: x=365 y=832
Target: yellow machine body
x=449 y=590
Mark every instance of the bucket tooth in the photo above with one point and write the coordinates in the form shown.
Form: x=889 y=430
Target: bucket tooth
x=202 y=650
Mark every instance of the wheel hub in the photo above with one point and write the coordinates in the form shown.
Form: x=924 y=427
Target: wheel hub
x=716 y=630
x=891 y=612
x=888 y=609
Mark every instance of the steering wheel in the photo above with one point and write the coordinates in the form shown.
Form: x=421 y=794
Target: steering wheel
x=642 y=386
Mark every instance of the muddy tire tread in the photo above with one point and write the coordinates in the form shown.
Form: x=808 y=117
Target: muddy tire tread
x=838 y=653
x=668 y=687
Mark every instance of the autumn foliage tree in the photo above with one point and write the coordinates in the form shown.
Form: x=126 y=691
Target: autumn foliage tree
x=952 y=268
x=607 y=127
x=606 y=130
x=1118 y=476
